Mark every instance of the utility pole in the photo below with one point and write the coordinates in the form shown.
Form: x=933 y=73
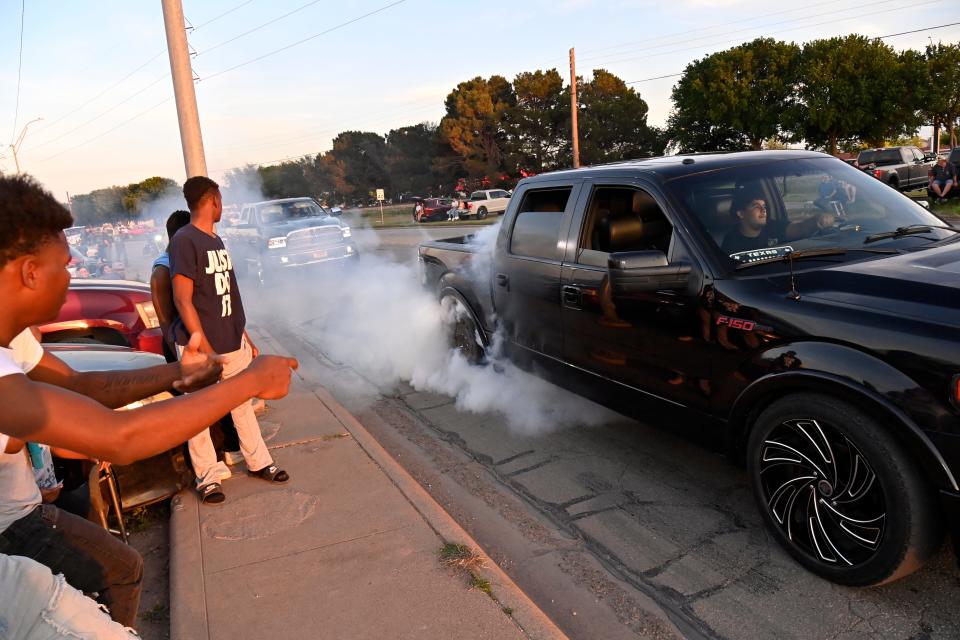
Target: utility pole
x=574 y=131
x=186 y=97
x=15 y=147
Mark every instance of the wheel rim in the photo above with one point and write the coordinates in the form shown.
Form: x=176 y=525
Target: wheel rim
x=463 y=339
x=822 y=493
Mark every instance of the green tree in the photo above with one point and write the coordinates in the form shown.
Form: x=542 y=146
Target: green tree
x=474 y=123
x=359 y=162
x=99 y=206
x=852 y=88
x=409 y=157
x=285 y=180
x=736 y=98
x=538 y=125
x=942 y=103
x=140 y=195
x=613 y=121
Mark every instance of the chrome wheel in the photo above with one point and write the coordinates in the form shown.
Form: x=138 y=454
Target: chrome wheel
x=822 y=492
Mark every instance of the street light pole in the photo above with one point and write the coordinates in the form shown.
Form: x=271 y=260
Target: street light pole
x=190 y=137
x=15 y=147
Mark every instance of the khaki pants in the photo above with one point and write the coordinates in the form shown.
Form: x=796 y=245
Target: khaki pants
x=252 y=446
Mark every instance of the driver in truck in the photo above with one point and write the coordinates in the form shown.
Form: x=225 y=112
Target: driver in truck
x=755 y=230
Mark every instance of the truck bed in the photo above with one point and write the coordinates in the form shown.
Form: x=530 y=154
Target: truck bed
x=456 y=264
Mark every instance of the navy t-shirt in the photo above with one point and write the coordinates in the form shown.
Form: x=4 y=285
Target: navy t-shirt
x=204 y=259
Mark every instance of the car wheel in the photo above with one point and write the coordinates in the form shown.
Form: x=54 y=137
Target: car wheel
x=481 y=213
x=895 y=184
x=839 y=493
x=464 y=334
x=262 y=275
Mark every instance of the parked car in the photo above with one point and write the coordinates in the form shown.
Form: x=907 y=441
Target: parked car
x=274 y=236
x=903 y=168
x=434 y=209
x=488 y=201
x=112 y=312
x=146 y=481
x=829 y=363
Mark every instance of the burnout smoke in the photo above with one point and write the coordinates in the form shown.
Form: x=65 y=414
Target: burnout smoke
x=379 y=320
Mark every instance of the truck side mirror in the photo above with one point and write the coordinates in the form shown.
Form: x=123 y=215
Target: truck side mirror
x=635 y=272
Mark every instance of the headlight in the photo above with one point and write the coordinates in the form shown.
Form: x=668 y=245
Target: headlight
x=148 y=314
x=277 y=243
x=346 y=232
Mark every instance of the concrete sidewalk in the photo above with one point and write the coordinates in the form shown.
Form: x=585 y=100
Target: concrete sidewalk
x=348 y=548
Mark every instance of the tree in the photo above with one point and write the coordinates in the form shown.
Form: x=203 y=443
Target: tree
x=409 y=156
x=99 y=206
x=285 y=180
x=942 y=103
x=538 y=125
x=359 y=163
x=140 y=195
x=852 y=88
x=736 y=98
x=474 y=123
x=613 y=121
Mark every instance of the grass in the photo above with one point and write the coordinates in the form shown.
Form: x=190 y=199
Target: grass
x=400 y=215
x=481 y=584
x=157 y=613
x=459 y=556
x=141 y=518
x=949 y=209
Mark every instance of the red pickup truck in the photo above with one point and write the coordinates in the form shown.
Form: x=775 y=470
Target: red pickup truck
x=116 y=312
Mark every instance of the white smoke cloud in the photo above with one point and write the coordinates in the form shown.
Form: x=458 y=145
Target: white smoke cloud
x=377 y=319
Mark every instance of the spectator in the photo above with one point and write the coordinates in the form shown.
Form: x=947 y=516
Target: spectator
x=161 y=291
x=943 y=177
x=33 y=285
x=208 y=301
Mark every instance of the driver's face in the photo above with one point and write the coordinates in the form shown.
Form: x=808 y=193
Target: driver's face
x=754 y=216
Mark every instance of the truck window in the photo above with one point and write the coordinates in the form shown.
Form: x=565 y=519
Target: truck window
x=478 y=195
x=536 y=229
x=622 y=219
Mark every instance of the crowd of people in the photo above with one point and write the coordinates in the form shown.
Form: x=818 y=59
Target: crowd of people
x=60 y=574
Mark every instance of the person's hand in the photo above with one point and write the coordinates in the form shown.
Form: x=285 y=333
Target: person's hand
x=197 y=368
x=51 y=494
x=272 y=374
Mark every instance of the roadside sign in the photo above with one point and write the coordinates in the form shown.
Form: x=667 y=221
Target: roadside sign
x=380 y=195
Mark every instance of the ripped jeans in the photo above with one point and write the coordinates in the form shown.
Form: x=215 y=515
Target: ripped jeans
x=37 y=605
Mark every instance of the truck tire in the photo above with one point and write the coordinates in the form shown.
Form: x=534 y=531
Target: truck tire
x=481 y=213
x=894 y=183
x=464 y=335
x=839 y=493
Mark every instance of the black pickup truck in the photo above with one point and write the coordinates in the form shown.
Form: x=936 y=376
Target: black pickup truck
x=268 y=238
x=819 y=339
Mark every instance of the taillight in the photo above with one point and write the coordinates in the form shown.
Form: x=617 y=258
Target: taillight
x=955 y=391
x=148 y=314
x=878 y=173
x=469 y=206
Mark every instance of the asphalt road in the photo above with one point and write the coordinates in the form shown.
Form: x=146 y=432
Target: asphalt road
x=624 y=530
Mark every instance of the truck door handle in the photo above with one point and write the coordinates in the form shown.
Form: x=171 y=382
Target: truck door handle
x=571 y=295
x=503 y=280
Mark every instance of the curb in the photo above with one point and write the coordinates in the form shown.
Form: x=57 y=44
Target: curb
x=188 y=593
x=532 y=621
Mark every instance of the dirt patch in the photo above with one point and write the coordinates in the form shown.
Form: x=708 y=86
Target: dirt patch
x=150 y=535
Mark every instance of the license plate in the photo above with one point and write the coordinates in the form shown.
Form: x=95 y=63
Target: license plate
x=320 y=254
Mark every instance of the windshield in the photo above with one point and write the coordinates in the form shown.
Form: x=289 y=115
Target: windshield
x=880 y=157
x=755 y=212
x=283 y=211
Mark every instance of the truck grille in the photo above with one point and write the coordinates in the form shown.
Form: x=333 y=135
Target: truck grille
x=313 y=237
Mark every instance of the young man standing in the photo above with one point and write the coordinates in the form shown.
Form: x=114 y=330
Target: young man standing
x=208 y=301
x=55 y=405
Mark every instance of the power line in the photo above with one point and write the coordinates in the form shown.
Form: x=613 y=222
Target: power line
x=110 y=130
x=748 y=29
x=131 y=74
x=715 y=26
x=307 y=39
x=889 y=35
x=807 y=26
x=102 y=113
x=16 y=108
x=257 y=28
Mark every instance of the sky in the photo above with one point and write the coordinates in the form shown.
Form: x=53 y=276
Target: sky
x=98 y=73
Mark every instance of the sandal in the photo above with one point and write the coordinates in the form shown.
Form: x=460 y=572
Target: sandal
x=211 y=493
x=271 y=473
